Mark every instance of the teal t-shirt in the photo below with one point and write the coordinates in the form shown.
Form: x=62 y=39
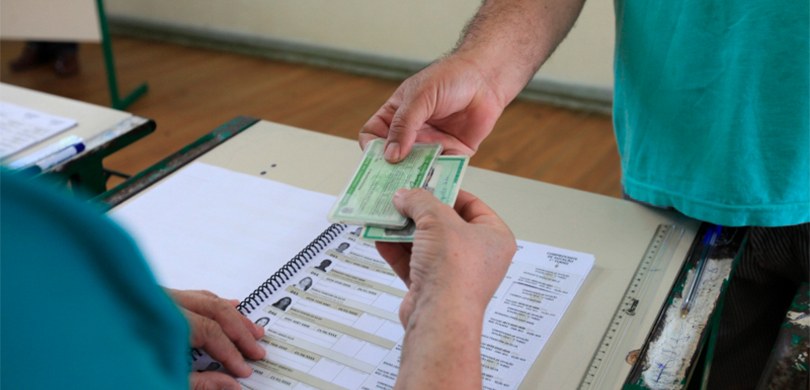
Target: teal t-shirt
x=711 y=108
x=80 y=307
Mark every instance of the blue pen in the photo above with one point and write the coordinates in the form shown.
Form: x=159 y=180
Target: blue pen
x=55 y=158
x=708 y=242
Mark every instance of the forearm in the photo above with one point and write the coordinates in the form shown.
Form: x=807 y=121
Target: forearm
x=442 y=346
x=510 y=40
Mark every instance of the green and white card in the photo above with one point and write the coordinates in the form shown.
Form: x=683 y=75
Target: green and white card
x=367 y=198
x=444 y=183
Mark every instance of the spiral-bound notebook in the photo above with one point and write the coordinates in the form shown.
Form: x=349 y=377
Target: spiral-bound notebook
x=331 y=316
x=330 y=311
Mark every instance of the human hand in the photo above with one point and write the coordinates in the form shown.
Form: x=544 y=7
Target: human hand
x=452 y=269
x=221 y=331
x=450 y=102
x=457 y=255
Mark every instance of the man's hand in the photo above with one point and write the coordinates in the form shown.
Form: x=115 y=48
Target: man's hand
x=450 y=102
x=463 y=252
x=221 y=331
x=457 y=100
x=452 y=269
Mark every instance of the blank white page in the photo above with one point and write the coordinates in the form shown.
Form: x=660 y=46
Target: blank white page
x=211 y=228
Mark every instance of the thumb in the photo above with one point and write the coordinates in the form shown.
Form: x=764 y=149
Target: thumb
x=406 y=122
x=418 y=204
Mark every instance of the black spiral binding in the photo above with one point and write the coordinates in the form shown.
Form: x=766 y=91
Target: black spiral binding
x=275 y=281
x=285 y=273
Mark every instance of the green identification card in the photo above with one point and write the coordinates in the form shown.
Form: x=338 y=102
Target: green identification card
x=444 y=182
x=367 y=198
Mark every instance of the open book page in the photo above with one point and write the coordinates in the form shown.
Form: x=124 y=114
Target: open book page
x=334 y=324
x=211 y=228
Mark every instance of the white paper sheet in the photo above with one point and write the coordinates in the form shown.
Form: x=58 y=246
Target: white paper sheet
x=21 y=127
x=538 y=288
x=210 y=228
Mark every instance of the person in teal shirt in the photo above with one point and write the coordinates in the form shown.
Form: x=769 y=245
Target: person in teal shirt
x=710 y=115
x=81 y=309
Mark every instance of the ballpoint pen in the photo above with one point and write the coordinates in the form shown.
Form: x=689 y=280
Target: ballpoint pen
x=32 y=158
x=708 y=242
x=54 y=159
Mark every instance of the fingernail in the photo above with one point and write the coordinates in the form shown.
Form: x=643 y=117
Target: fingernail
x=260 y=351
x=400 y=193
x=392 y=152
x=245 y=369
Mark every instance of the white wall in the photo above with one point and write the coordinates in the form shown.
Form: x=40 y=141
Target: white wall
x=418 y=30
x=48 y=20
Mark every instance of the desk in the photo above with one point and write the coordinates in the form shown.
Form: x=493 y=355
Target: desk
x=617 y=232
x=103 y=130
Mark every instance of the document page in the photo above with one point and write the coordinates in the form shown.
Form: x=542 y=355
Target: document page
x=538 y=287
x=21 y=127
x=333 y=323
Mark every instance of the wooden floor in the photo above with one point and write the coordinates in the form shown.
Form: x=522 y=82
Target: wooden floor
x=192 y=91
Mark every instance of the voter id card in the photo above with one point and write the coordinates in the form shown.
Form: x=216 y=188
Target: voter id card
x=444 y=182
x=367 y=200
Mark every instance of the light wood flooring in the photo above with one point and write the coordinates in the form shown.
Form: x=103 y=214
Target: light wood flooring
x=192 y=91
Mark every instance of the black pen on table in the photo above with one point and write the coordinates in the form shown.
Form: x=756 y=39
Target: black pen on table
x=708 y=243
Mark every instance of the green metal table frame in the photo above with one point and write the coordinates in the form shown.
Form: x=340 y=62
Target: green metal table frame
x=116 y=101
x=86 y=174
x=172 y=163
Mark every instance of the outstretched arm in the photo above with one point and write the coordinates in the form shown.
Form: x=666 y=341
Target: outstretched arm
x=457 y=100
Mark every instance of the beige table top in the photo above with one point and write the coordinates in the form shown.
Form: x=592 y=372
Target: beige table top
x=615 y=231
